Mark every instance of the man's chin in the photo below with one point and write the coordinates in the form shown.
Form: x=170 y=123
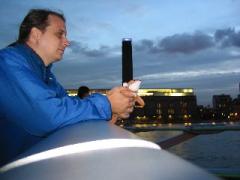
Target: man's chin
x=57 y=59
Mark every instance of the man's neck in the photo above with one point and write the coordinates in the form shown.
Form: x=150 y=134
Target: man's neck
x=33 y=47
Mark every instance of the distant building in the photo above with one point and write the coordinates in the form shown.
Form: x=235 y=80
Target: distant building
x=73 y=92
x=173 y=105
x=222 y=105
x=206 y=114
x=178 y=105
x=235 y=114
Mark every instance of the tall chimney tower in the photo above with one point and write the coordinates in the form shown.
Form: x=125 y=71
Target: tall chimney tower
x=127 y=65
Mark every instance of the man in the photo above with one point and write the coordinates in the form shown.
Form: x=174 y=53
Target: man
x=32 y=103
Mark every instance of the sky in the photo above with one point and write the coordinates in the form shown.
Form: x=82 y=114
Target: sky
x=176 y=44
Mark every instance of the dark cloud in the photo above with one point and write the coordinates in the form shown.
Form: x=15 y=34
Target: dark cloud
x=186 y=43
x=78 y=47
x=144 y=44
x=227 y=37
x=147 y=46
x=178 y=43
x=222 y=33
x=190 y=43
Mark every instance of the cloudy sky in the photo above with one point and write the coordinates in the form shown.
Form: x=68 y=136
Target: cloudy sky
x=176 y=44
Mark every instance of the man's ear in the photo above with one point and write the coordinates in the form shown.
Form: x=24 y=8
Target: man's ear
x=35 y=35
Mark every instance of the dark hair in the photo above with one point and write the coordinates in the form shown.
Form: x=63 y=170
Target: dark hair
x=83 y=91
x=35 y=18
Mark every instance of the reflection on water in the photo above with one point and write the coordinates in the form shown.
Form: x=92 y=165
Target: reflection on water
x=220 y=150
x=157 y=136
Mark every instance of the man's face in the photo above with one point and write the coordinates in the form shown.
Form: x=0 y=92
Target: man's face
x=52 y=41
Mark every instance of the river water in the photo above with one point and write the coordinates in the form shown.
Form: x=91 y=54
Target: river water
x=214 y=151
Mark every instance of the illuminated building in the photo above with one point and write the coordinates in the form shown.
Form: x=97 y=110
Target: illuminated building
x=73 y=92
x=163 y=105
x=172 y=105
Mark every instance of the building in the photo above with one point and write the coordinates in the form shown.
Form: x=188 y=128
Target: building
x=175 y=105
x=222 y=105
x=162 y=105
x=235 y=114
x=206 y=114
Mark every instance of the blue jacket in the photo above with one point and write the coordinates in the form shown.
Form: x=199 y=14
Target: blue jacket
x=33 y=104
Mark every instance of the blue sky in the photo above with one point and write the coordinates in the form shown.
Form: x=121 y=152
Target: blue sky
x=175 y=43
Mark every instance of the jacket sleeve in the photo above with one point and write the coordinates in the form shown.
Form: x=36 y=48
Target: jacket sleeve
x=39 y=109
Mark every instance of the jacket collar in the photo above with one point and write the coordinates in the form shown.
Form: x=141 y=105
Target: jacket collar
x=35 y=60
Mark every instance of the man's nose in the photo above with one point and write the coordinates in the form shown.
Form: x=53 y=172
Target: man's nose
x=66 y=42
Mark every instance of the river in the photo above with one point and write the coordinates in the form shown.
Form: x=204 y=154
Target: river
x=214 y=151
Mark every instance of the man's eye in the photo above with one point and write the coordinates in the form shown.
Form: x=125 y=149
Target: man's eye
x=59 y=35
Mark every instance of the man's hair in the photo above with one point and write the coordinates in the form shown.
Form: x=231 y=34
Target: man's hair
x=35 y=18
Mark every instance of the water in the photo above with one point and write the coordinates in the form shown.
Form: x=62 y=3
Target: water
x=215 y=151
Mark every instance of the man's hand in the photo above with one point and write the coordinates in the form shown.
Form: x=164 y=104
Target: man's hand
x=137 y=98
x=122 y=101
x=122 y=109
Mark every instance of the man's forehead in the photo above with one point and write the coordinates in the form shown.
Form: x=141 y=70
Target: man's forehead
x=57 y=22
